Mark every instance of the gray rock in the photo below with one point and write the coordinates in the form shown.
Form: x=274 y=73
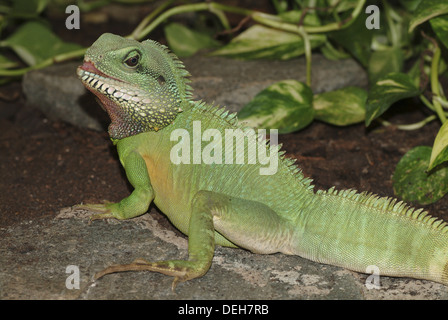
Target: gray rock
x=59 y=94
x=233 y=83
x=35 y=256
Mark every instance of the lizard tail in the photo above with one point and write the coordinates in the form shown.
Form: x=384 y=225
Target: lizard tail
x=359 y=230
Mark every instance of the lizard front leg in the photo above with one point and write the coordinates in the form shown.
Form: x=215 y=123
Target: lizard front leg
x=137 y=203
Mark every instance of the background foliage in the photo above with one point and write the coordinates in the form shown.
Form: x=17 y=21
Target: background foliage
x=405 y=59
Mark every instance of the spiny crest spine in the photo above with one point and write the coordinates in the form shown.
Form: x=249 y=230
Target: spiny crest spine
x=389 y=204
x=232 y=120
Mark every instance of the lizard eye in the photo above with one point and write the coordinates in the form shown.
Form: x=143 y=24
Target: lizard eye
x=132 y=61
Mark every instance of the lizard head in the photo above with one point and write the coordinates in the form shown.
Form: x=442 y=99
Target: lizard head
x=141 y=85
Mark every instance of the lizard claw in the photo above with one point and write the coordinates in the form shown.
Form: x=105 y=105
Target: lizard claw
x=95 y=207
x=103 y=210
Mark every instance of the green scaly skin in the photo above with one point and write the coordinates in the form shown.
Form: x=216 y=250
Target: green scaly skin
x=144 y=89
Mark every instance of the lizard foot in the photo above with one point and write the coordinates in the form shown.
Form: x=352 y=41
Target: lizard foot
x=103 y=209
x=179 y=269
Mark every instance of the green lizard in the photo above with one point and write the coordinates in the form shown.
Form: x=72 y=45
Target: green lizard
x=144 y=88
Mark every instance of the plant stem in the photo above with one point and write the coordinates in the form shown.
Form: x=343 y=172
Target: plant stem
x=427 y=103
x=263 y=18
x=409 y=127
x=394 y=36
x=222 y=18
x=338 y=25
x=212 y=6
x=435 y=84
x=85 y=7
x=442 y=101
x=135 y=34
x=48 y=62
x=307 y=44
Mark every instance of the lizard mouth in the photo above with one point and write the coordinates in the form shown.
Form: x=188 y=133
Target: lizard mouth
x=112 y=88
x=95 y=80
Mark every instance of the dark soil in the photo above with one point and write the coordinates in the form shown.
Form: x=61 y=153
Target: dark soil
x=46 y=165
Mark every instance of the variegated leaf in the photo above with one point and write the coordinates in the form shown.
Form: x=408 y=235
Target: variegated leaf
x=184 y=41
x=426 y=10
x=341 y=107
x=34 y=42
x=440 y=27
x=260 y=42
x=412 y=182
x=440 y=149
x=389 y=89
x=285 y=105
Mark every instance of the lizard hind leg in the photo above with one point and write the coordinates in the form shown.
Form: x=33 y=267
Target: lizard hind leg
x=236 y=222
x=201 y=247
x=251 y=224
x=181 y=270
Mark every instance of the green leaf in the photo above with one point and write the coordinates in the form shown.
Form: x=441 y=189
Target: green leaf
x=412 y=183
x=410 y=5
x=34 y=42
x=386 y=91
x=440 y=27
x=385 y=61
x=356 y=39
x=285 y=105
x=426 y=10
x=341 y=107
x=185 y=42
x=260 y=42
x=332 y=53
x=440 y=149
x=280 y=5
x=28 y=8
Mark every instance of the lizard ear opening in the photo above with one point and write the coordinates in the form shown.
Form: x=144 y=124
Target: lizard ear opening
x=161 y=80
